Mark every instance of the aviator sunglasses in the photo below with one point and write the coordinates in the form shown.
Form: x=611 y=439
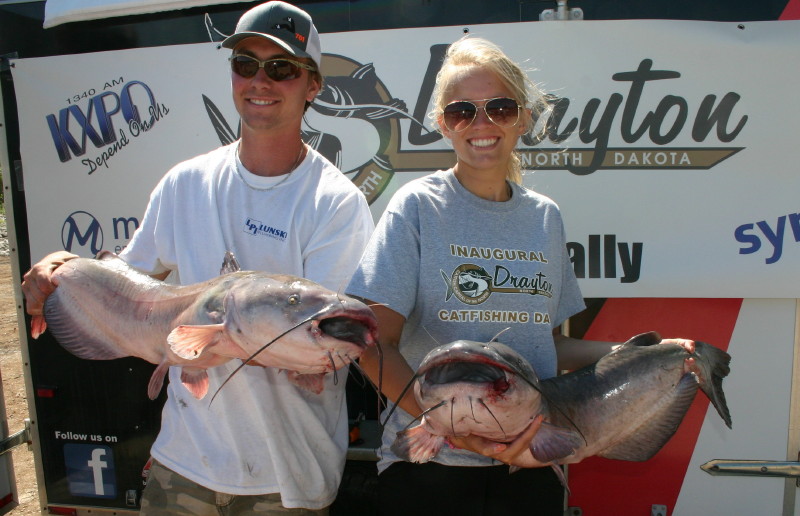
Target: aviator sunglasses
x=279 y=69
x=502 y=111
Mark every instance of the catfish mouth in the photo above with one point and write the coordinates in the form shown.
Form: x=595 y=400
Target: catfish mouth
x=467 y=372
x=360 y=332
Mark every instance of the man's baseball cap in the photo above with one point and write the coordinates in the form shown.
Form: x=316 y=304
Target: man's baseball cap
x=284 y=24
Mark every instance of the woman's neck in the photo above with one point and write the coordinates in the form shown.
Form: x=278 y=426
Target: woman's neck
x=488 y=185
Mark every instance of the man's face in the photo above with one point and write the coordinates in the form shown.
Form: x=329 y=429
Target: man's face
x=267 y=105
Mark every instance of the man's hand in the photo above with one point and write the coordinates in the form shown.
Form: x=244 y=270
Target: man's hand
x=37 y=283
x=516 y=453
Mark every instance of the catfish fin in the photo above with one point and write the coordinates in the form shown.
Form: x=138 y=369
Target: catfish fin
x=714 y=365
x=229 y=264
x=643 y=339
x=157 y=380
x=417 y=444
x=224 y=346
x=38 y=326
x=189 y=341
x=314 y=383
x=552 y=443
x=561 y=478
x=105 y=254
x=195 y=381
x=646 y=440
x=71 y=336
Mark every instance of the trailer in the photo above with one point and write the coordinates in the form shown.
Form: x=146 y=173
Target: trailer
x=669 y=151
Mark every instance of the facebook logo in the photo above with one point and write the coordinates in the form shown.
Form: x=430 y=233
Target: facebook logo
x=90 y=470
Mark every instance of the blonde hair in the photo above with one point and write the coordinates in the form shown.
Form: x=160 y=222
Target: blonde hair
x=469 y=53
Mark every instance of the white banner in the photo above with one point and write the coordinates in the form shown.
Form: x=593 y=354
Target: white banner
x=57 y=12
x=669 y=150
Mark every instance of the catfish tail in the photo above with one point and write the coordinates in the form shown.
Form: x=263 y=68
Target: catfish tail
x=715 y=365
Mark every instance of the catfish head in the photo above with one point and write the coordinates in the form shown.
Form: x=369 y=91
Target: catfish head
x=279 y=321
x=295 y=324
x=477 y=388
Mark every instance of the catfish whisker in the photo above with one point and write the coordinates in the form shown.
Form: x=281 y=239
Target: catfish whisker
x=380 y=373
x=424 y=413
x=480 y=400
x=361 y=381
x=431 y=336
x=335 y=371
x=494 y=339
x=340 y=290
x=403 y=393
x=371 y=305
x=452 y=409
x=259 y=350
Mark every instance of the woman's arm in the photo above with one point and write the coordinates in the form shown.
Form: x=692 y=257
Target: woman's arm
x=394 y=373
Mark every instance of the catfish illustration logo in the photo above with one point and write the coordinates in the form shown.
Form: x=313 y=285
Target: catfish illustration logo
x=351 y=119
x=470 y=284
x=355 y=123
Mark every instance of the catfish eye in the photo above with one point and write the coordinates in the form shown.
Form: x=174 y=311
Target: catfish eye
x=294 y=299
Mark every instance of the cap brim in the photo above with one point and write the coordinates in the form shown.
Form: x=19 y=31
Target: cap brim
x=231 y=42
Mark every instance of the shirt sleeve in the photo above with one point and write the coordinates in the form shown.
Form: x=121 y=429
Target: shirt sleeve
x=338 y=241
x=389 y=270
x=143 y=252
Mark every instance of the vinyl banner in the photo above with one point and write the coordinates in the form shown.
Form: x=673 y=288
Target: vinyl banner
x=57 y=12
x=668 y=149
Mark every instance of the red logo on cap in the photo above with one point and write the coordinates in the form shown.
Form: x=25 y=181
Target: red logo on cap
x=299 y=37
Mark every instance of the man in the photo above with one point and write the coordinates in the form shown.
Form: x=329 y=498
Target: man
x=264 y=445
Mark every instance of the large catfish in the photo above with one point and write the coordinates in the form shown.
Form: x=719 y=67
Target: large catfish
x=625 y=406
x=104 y=309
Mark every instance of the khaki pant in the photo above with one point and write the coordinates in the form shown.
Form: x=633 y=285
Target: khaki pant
x=168 y=494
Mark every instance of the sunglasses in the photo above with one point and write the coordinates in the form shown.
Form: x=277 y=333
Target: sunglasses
x=280 y=69
x=502 y=111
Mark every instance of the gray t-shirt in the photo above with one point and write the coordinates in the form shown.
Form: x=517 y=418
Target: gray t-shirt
x=460 y=267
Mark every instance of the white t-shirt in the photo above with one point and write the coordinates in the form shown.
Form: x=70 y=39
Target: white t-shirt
x=262 y=434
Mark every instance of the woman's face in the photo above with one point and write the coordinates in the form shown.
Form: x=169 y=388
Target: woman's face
x=483 y=146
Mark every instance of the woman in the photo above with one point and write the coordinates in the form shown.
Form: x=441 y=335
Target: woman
x=466 y=253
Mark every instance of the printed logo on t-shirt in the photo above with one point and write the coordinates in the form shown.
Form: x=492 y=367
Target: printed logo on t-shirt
x=258 y=228
x=472 y=285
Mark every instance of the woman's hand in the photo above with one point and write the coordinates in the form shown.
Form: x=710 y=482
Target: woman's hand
x=516 y=453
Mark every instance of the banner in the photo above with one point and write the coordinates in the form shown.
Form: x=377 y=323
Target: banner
x=669 y=148
x=57 y=12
